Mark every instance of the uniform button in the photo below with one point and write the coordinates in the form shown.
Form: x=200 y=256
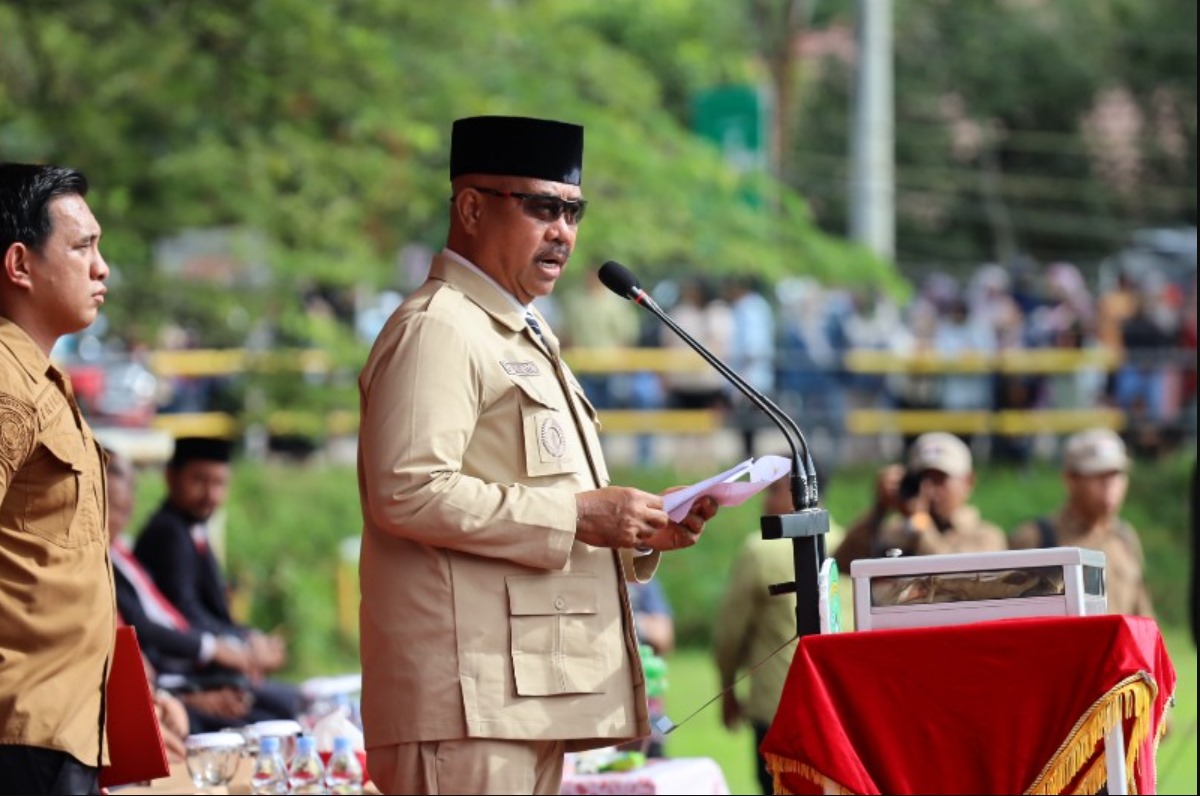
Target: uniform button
x=560 y=603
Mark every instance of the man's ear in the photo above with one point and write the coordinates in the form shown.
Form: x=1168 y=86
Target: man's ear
x=17 y=265
x=469 y=209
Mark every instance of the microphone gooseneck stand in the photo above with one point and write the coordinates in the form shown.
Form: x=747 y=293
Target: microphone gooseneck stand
x=807 y=525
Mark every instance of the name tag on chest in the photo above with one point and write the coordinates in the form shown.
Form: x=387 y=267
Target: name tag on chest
x=520 y=368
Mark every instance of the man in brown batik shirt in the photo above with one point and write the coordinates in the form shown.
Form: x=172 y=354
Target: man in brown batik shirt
x=57 y=609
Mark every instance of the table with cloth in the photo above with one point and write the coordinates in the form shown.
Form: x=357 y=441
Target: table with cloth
x=692 y=775
x=180 y=782
x=1009 y=706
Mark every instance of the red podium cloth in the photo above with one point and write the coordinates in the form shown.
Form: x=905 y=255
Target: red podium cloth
x=1011 y=706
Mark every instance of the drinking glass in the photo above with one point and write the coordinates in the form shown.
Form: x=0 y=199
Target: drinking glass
x=212 y=759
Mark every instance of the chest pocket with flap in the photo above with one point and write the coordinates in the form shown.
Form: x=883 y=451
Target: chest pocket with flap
x=551 y=442
x=52 y=482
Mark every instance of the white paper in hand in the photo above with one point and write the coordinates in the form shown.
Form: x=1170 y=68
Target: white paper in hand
x=727 y=488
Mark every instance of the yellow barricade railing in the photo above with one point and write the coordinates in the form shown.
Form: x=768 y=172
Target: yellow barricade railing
x=200 y=362
x=215 y=362
x=223 y=362
x=198 y=424
x=1031 y=361
x=1008 y=422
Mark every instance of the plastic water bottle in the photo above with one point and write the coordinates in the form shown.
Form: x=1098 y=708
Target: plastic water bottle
x=270 y=772
x=307 y=774
x=344 y=774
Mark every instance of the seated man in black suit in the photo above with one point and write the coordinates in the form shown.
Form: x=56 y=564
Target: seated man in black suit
x=167 y=640
x=173 y=549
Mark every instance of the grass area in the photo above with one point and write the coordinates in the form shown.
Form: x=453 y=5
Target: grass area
x=1177 y=754
x=693 y=679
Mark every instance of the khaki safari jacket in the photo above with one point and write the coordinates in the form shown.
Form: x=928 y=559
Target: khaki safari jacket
x=57 y=604
x=481 y=615
x=1124 y=562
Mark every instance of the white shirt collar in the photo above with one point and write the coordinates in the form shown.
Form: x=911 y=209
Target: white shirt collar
x=463 y=261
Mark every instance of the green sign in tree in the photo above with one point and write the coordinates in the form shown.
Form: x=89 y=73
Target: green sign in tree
x=735 y=119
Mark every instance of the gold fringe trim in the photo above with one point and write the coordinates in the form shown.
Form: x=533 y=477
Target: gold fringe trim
x=779 y=765
x=1158 y=736
x=1132 y=698
x=1094 y=779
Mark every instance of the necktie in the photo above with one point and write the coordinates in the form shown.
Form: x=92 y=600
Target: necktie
x=533 y=324
x=537 y=329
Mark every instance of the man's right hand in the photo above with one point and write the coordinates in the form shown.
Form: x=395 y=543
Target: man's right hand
x=618 y=516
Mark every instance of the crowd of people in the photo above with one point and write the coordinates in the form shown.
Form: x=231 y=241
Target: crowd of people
x=791 y=340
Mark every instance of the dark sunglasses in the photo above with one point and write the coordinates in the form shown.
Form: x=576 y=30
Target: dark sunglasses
x=544 y=207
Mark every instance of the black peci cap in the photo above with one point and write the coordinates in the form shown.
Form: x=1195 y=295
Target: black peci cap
x=206 y=449
x=517 y=146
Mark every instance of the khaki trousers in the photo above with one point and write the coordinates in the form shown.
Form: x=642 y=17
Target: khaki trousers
x=468 y=765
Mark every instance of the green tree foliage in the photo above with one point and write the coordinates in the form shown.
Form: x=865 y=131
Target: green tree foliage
x=993 y=147
x=325 y=125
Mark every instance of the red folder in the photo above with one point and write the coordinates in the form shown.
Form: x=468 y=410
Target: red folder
x=135 y=746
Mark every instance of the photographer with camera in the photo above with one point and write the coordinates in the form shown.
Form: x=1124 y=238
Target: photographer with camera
x=923 y=509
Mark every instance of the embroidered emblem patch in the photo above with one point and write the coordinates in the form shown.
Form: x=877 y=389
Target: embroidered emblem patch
x=16 y=431
x=554 y=439
x=520 y=368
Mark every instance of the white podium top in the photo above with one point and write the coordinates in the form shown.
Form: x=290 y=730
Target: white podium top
x=976 y=562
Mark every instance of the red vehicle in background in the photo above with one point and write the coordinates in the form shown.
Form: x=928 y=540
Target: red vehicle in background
x=113 y=389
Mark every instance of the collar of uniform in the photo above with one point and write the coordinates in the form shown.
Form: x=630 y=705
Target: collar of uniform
x=31 y=358
x=458 y=258
x=473 y=284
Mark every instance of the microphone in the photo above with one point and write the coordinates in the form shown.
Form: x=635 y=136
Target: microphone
x=807 y=525
x=621 y=281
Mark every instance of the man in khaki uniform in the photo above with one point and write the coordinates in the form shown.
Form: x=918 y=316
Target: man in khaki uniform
x=1096 y=476
x=495 y=626
x=935 y=518
x=57 y=606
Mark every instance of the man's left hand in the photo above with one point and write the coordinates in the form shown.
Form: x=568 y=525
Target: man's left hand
x=677 y=535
